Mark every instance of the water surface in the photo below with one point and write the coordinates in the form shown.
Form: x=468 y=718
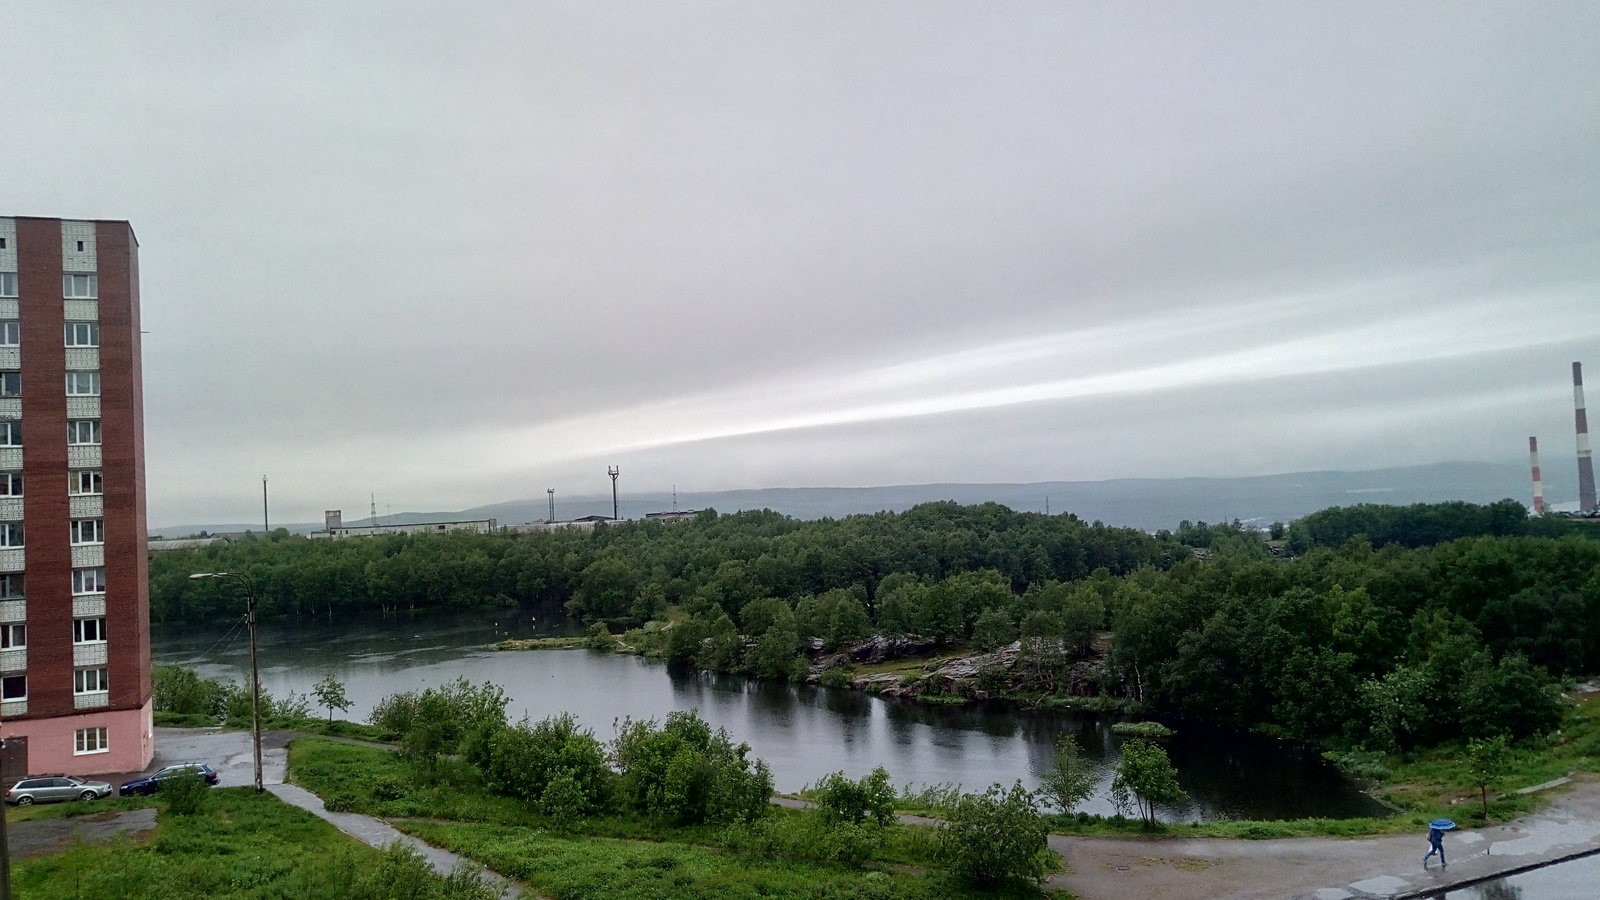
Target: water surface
x=802 y=731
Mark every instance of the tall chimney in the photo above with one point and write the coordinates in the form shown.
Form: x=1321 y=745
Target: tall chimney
x=1585 y=462
x=1538 y=483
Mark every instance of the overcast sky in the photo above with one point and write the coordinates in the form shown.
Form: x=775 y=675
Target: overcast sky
x=456 y=253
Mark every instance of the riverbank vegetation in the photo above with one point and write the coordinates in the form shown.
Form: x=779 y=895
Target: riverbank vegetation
x=244 y=845
x=183 y=699
x=494 y=790
x=1382 y=634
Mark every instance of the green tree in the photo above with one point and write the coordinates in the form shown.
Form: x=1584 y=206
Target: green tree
x=330 y=693
x=1488 y=761
x=993 y=630
x=995 y=837
x=1396 y=706
x=1070 y=780
x=1144 y=778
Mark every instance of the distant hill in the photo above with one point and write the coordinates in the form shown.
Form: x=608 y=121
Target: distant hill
x=1147 y=503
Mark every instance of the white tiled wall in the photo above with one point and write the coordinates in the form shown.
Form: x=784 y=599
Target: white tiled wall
x=73 y=259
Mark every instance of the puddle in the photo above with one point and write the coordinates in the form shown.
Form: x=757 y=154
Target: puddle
x=1383 y=885
x=1542 y=835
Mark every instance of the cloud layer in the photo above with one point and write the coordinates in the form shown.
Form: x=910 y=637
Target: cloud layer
x=457 y=255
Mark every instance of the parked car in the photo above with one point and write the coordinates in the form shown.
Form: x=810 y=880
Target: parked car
x=49 y=788
x=152 y=783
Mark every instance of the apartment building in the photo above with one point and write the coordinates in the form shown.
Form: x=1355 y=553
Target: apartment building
x=75 y=694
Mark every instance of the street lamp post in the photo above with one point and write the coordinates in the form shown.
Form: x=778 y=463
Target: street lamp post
x=255 y=669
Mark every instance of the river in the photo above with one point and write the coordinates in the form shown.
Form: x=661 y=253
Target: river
x=803 y=732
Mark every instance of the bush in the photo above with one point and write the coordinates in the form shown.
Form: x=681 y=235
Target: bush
x=181 y=690
x=838 y=676
x=525 y=760
x=684 y=772
x=995 y=837
x=458 y=717
x=185 y=795
x=843 y=800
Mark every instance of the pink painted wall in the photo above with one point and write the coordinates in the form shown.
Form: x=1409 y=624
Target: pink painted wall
x=130 y=739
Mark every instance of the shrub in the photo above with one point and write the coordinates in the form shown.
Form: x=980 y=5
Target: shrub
x=995 y=837
x=684 y=772
x=186 y=794
x=524 y=760
x=843 y=800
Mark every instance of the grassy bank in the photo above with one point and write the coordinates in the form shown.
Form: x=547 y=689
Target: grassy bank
x=241 y=846
x=789 y=853
x=588 y=868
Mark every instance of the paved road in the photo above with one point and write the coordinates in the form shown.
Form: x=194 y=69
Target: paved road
x=1326 y=868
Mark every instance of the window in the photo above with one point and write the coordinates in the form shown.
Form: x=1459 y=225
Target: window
x=80 y=287
x=13 y=637
x=11 y=587
x=10 y=384
x=89 y=740
x=88 y=531
x=89 y=681
x=10 y=433
x=89 y=631
x=10 y=534
x=8 y=284
x=89 y=581
x=83 y=481
x=83 y=334
x=80 y=246
x=80 y=384
x=10 y=334
x=80 y=431
x=10 y=484
x=14 y=687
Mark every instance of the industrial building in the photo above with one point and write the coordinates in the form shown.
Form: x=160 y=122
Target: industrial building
x=334 y=527
x=75 y=693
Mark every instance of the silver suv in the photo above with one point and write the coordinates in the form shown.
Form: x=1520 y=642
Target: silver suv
x=29 y=791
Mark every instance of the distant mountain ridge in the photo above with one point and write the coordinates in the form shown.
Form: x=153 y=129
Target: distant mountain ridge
x=1145 y=503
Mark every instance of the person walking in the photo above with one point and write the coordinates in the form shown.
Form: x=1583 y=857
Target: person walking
x=1436 y=830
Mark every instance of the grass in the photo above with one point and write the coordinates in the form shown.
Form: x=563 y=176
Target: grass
x=544 y=643
x=790 y=853
x=587 y=868
x=243 y=846
x=309 y=725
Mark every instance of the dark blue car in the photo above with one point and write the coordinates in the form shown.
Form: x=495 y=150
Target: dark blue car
x=152 y=783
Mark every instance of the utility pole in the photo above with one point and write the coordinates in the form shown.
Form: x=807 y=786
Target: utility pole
x=552 y=493
x=255 y=667
x=5 y=848
x=266 y=523
x=613 y=471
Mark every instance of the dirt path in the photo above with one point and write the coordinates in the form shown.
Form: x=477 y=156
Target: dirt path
x=1326 y=868
x=43 y=837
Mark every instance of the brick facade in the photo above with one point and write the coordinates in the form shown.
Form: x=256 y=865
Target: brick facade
x=45 y=249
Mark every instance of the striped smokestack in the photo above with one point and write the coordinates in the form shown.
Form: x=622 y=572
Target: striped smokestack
x=1538 y=483
x=1585 y=463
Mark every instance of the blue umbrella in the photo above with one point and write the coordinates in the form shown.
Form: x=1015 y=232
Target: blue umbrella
x=1442 y=824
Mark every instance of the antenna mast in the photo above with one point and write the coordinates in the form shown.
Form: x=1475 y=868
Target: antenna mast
x=552 y=493
x=266 y=523
x=613 y=471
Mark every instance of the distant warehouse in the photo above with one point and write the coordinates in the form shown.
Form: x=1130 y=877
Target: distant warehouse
x=335 y=527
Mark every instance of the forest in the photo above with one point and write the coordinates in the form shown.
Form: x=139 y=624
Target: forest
x=1377 y=626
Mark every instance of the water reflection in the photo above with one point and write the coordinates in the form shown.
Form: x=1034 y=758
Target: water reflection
x=803 y=731
x=1574 y=880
